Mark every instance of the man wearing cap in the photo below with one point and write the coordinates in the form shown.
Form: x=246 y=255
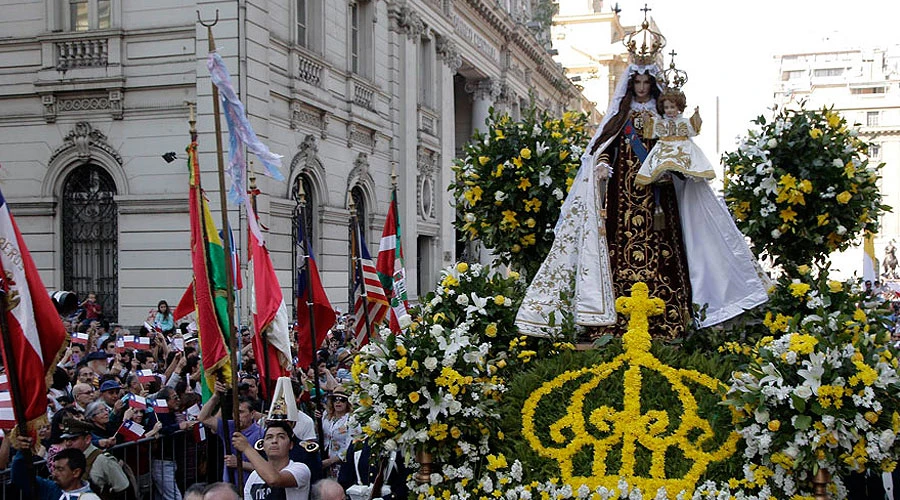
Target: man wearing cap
x=98 y=363
x=68 y=470
x=102 y=470
x=115 y=406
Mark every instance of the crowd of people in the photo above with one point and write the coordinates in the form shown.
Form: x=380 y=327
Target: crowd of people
x=127 y=420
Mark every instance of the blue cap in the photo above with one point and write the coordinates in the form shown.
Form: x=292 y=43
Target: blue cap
x=109 y=385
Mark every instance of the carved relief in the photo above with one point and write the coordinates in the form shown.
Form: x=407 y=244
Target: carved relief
x=425 y=182
x=357 y=134
x=486 y=88
x=448 y=52
x=83 y=138
x=314 y=118
x=408 y=21
x=111 y=101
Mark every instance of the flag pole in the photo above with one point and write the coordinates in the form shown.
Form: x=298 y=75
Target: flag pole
x=253 y=191
x=11 y=376
x=310 y=304
x=355 y=252
x=229 y=272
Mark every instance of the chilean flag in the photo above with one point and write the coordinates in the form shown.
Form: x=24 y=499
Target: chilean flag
x=137 y=402
x=323 y=314
x=131 y=431
x=160 y=406
x=80 y=338
x=36 y=334
x=146 y=376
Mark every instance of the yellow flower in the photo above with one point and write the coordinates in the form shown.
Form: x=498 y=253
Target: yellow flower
x=833 y=119
x=499 y=171
x=564 y=154
x=439 y=317
x=822 y=219
x=569 y=182
x=499 y=300
x=454 y=433
x=516 y=248
x=802 y=343
x=803 y=269
x=798 y=289
x=788 y=181
x=843 y=198
x=509 y=217
x=815 y=133
x=462 y=267
x=527 y=240
x=788 y=215
x=850 y=169
x=496 y=462
x=530 y=222
x=835 y=286
x=533 y=205
x=513 y=275
x=491 y=330
x=774 y=425
x=413 y=397
x=525 y=153
x=524 y=183
x=401 y=350
x=859 y=315
x=483 y=160
x=871 y=416
x=473 y=195
x=498 y=134
x=517 y=161
x=805 y=186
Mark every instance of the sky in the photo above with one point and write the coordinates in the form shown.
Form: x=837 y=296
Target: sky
x=727 y=48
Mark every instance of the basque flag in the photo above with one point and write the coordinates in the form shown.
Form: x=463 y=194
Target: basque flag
x=36 y=334
x=131 y=431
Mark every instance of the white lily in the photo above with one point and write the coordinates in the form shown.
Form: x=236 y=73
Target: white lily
x=477 y=305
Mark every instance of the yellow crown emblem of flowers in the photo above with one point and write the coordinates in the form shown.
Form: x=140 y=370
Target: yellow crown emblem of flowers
x=606 y=429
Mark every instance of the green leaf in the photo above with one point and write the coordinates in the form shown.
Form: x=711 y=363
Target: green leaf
x=802 y=422
x=799 y=403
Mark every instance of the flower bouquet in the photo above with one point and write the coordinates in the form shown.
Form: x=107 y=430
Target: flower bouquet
x=511 y=182
x=801 y=186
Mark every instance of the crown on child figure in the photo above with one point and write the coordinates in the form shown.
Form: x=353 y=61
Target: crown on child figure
x=651 y=42
x=673 y=77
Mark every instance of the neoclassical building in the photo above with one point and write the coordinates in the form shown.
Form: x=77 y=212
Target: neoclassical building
x=94 y=92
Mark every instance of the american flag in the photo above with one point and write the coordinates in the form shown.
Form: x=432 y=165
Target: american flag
x=367 y=276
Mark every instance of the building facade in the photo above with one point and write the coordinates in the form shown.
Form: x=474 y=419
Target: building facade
x=94 y=92
x=864 y=86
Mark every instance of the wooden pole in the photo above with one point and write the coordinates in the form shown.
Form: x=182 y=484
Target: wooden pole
x=229 y=271
x=310 y=304
x=253 y=191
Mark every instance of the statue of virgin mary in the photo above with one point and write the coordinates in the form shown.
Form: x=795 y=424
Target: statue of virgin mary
x=677 y=237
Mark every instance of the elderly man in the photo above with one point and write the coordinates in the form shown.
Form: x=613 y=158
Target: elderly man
x=327 y=489
x=109 y=393
x=99 y=363
x=102 y=470
x=68 y=470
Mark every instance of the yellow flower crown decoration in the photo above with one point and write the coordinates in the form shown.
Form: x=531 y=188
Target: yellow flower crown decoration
x=607 y=428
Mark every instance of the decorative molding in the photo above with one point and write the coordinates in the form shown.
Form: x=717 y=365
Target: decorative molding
x=408 y=22
x=486 y=88
x=307 y=162
x=361 y=135
x=448 y=52
x=33 y=206
x=314 y=118
x=83 y=138
x=426 y=162
x=158 y=203
x=110 y=100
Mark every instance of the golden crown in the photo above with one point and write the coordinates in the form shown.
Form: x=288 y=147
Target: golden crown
x=673 y=77
x=651 y=42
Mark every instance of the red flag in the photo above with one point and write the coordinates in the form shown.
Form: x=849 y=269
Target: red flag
x=131 y=431
x=36 y=334
x=186 y=304
x=269 y=316
x=323 y=314
x=391 y=271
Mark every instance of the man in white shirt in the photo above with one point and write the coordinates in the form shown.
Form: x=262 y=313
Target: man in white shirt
x=278 y=477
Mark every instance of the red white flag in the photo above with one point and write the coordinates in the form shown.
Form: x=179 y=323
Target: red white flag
x=143 y=343
x=36 y=334
x=137 y=402
x=160 y=406
x=269 y=316
x=80 y=338
x=131 y=431
x=146 y=376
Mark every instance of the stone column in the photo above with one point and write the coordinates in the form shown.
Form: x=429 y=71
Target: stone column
x=484 y=93
x=451 y=61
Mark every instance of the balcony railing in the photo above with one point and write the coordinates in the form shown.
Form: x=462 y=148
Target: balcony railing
x=309 y=70
x=363 y=95
x=82 y=53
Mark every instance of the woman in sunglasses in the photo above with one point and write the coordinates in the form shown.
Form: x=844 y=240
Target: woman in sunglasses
x=337 y=431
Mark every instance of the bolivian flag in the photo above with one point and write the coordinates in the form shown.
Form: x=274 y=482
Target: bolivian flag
x=210 y=282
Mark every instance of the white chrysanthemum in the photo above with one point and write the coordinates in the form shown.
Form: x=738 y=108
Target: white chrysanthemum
x=390 y=389
x=430 y=363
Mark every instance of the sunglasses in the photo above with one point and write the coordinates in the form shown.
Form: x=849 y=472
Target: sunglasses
x=339 y=400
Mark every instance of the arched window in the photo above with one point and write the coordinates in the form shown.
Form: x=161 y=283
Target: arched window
x=90 y=237
x=362 y=215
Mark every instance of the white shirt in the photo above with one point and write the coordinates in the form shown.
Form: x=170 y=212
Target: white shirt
x=257 y=489
x=305 y=428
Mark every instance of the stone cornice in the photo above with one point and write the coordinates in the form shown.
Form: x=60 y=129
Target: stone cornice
x=497 y=18
x=152 y=204
x=32 y=206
